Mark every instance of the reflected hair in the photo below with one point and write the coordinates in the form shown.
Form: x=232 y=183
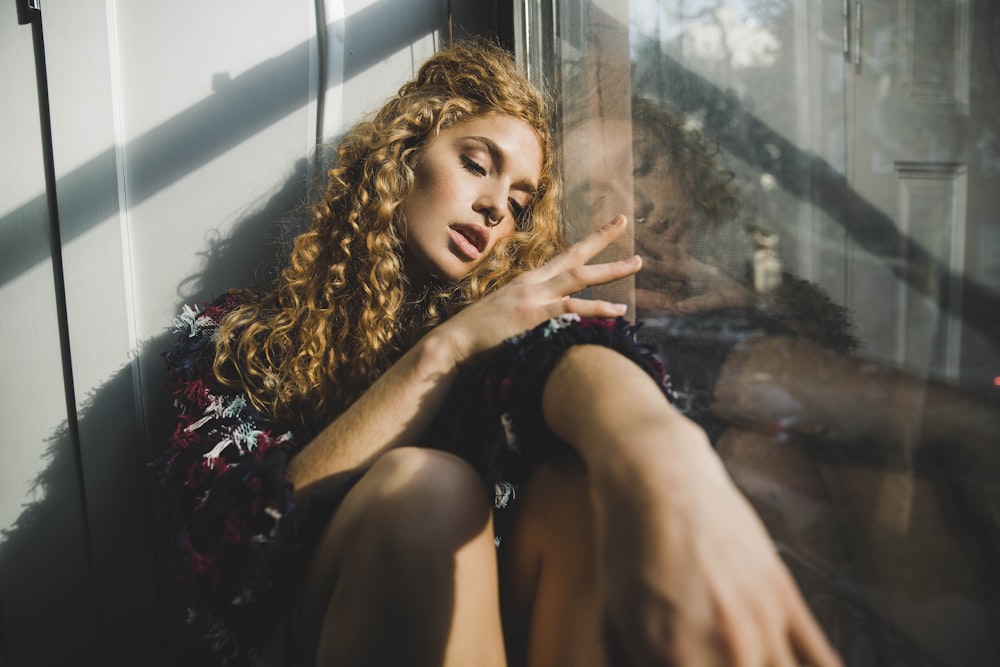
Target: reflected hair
x=693 y=159
x=342 y=310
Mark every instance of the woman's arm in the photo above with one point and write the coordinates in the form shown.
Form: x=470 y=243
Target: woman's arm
x=399 y=406
x=691 y=576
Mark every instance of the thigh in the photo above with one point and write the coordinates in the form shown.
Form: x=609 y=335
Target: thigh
x=550 y=588
x=407 y=560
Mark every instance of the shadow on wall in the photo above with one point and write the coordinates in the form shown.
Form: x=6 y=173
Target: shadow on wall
x=48 y=592
x=234 y=112
x=51 y=611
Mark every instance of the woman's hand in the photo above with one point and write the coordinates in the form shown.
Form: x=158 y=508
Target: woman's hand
x=690 y=575
x=672 y=279
x=539 y=295
x=692 y=578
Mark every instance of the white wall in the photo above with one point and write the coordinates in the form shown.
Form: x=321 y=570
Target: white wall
x=41 y=522
x=181 y=138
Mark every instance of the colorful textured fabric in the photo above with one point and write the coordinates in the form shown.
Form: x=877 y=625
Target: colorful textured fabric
x=224 y=491
x=223 y=476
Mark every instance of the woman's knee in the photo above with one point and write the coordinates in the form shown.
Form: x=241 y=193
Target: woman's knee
x=414 y=507
x=420 y=498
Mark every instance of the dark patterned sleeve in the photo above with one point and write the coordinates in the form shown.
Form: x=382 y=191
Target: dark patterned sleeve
x=494 y=415
x=223 y=491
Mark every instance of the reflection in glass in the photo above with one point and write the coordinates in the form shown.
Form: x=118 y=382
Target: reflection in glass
x=816 y=201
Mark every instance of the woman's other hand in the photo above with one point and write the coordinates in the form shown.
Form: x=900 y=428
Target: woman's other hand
x=690 y=575
x=692 y=578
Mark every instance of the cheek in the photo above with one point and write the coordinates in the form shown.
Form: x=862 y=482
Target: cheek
x=413 y=208
x=499 y=236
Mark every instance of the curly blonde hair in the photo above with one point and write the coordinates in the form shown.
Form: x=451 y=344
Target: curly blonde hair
x=342 y=309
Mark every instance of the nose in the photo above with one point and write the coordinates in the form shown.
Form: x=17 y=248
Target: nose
x=643 y=205
x=492 y=204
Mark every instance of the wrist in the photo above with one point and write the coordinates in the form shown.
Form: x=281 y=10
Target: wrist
x=444 y=346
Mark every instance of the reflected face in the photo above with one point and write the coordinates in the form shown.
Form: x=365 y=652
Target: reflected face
x=660 y=203
x=473 y=184
x=599 y=185
x=653 y=194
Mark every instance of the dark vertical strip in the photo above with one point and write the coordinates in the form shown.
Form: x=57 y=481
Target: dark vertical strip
x=72 y=426
x=322 y=55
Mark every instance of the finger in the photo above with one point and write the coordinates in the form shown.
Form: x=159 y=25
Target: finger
x=679 y=267
x=652 y=300
x=742 y=642
x=774 y=623
x=585 y=308
x=715 y=301
x=584 y=250
x=807 y=638
x=652 y=244
x=782 y=655
x=580 y=277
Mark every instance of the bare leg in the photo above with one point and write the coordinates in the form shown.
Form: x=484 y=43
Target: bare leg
x=551 y=590
x=406 y=571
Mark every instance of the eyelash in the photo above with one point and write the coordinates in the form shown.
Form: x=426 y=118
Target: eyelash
x=477 y=169
x=472 y=166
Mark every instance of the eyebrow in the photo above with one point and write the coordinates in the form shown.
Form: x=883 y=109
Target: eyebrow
x=498 y=156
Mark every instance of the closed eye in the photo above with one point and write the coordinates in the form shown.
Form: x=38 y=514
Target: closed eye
x=472 y=166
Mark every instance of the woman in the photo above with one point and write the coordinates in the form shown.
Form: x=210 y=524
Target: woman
x=335 y=430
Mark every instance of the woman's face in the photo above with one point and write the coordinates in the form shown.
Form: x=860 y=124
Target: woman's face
x=472 y=183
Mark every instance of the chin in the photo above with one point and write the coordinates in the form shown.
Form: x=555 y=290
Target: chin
x=453 y=276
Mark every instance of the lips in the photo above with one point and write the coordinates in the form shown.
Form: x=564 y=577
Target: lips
x=477 y=236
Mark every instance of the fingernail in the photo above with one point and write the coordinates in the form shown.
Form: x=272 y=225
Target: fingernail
x=634 y=260
x=620 y=308
x=619 y=220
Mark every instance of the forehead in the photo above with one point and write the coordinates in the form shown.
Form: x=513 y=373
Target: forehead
x=603 y=140
x=517 y=143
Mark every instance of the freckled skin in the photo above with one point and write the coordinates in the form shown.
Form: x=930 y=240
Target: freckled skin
x=481 y=169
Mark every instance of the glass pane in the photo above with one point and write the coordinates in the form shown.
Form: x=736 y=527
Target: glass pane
x=814 y=190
